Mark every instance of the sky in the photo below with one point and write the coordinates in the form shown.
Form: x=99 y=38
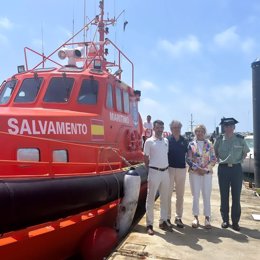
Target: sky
x=192 y=58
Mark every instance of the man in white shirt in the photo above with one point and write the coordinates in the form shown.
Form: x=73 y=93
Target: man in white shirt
x=156 y=160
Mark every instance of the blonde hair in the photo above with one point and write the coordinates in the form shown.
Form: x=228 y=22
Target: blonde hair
x=203 y=127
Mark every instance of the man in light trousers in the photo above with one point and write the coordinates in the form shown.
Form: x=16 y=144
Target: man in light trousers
x=156 y=159
x=178 y=146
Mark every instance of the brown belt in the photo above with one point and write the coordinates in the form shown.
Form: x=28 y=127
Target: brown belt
x=159 y=169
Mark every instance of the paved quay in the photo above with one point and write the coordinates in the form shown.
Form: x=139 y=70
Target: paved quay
x=189 y=243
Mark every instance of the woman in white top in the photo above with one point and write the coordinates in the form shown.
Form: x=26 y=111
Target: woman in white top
x=201 y=158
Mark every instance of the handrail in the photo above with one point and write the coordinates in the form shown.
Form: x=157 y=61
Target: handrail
x=26 y=164
x=98 y=52
x=120 y=52
x=39 y=54
x=45 y=58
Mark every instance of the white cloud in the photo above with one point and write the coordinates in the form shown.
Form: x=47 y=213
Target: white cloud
x=5 y=23
x=201 y=107
x=240 y=91
x=230 y=39
x=189 y=45
x=227 y=38
x=252 y=19
x=175 y=103
x=197 y=105
x=205 y=107
x=150 y=102
x=175 y=89
x=3 y=39
x=147 y=85
x=155 y=108
x=37 y=43
x=247 y=45
x=65 y=31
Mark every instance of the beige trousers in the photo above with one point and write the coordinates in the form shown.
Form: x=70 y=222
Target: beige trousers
x=177 y=180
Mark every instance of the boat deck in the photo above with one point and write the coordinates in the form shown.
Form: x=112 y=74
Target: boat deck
x=189 y=243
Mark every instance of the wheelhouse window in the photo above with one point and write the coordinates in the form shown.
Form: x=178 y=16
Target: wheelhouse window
x=28 y=90
x=118 y=99
x=7 y=90
x=126 y=101
x=109 y=102
x=88 y=93
x=59 y=90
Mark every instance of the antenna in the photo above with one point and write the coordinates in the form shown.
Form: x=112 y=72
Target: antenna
x=73 y=23
x=191 y=123
x=84 y=21
x=102 y=23
x=42 y=47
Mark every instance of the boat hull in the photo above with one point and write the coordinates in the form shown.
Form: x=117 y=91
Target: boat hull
x=34 y=201
x=61 y=240
x=48 y=218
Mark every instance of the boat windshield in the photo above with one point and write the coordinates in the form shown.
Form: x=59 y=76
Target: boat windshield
x=59 y=90
x=88 y=92
x=28 y=90
x=7 y=90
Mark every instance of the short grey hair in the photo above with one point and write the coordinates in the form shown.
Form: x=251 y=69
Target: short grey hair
x=176 y=122
x=200 y=126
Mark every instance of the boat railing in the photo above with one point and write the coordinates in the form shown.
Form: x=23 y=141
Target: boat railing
x=99 y=160
x=23 y=169
x=94 y=159
x=92 y=53
x=120 y=54
x=48 y=58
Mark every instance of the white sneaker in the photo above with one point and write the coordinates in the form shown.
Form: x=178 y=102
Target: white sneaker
x=195 y=223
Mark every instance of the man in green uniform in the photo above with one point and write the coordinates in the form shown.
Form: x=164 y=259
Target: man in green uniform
x=230 y=150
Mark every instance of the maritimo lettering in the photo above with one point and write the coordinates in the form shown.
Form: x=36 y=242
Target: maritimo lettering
x=44 y=127
x=119 y=118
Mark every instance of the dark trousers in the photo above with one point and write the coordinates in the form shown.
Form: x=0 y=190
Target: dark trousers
x=230 y=177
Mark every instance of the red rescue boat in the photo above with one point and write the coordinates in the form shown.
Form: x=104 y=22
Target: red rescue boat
x=71 y=162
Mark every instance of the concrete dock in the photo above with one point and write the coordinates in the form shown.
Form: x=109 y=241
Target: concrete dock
x=189 y=243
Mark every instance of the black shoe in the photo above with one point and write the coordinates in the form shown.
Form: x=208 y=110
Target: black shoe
x=236 y=227
x=150 y=230
x=179 y=223
x=225 y=225
x=169 y=223
x=165 y=227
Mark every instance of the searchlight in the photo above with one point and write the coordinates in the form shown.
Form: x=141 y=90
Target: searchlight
x=73 y=55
